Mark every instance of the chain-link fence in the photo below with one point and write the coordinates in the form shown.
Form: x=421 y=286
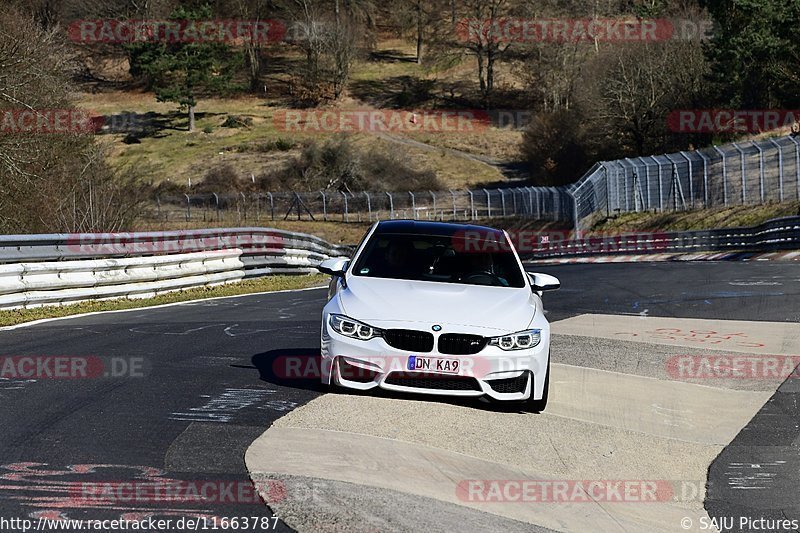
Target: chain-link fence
x=747 y=173
x=751 y=172
x=545 y=203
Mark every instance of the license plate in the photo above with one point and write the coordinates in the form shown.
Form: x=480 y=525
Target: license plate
x=433 y=364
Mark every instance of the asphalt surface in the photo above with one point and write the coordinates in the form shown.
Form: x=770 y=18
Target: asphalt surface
x=189 y=415
x=208 y=387
x=735 y=290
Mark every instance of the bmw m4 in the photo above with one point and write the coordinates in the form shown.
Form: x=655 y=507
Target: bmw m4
x=437 y=308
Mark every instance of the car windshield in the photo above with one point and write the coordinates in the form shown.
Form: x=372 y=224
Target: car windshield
x=439 y=258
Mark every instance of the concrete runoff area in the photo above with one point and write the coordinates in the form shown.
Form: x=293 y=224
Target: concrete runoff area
x=763 y=338
x=639 y=423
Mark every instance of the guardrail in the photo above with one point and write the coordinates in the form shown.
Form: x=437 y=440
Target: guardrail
x=38 y=270
x=773 y=235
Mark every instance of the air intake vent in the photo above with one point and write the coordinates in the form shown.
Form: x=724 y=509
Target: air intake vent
x=427 y=381
x=509 y=385
x=409 y=340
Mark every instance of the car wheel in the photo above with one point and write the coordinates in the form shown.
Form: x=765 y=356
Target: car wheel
x=537 y=406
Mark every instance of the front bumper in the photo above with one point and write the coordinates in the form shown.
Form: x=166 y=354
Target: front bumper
x=498 y=374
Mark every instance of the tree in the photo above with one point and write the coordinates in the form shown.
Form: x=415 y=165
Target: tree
x=755 y=52
x=182 y=71
x=252 y=10
x=52 y=181
x=329 y=41
x=416 y=18
x=484 y=41
x=642 y=85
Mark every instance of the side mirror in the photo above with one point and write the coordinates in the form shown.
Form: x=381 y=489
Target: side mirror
x=543 y=282
x=335 y=266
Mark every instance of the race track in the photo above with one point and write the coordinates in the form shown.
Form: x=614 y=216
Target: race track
x=208 y=388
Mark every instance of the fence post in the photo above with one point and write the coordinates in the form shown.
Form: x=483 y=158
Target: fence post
x=725 y=176
x=413 y=205
x=608 y=191
x=554 y=195
x=704 y=157
x=634 y=185
x=646 y=179
x=345 y=214
x=796 y=164
x=471 y=204
x=530 y=200
x=780 y=167
x=627 y=199
x=453 y=196
x=369 y=206
x=244 y=206
x=324 y=206
x=503 y=201
x=489 y=204
x=216 y=198
x=433 y=196
x=391 y=206
x=691 y=185
x=188 y=208
x=744 y=182
x=660 y=184
x=760 y=170
x=514 y=201
x=271 y=206
x=575 y=217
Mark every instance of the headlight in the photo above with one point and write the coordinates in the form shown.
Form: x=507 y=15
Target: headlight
x=352 y=328
x=518 y=341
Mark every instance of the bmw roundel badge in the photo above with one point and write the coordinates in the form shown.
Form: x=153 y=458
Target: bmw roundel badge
x=436 y=327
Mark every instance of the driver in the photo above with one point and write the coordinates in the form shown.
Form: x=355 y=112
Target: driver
x=482 y=265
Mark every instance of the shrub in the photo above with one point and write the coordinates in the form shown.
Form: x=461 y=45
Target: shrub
x=236 y=121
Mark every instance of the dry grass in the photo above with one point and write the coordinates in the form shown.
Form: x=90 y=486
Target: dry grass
x=736 y=216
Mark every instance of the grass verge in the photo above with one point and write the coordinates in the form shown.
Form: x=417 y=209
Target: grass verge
x=266 y=284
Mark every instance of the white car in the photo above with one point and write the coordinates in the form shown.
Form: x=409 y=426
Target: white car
x=437 y=308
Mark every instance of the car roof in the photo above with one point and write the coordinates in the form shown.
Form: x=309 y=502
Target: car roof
x=447 y=229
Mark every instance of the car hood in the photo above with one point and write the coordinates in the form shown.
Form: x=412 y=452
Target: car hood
x=387 y=302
